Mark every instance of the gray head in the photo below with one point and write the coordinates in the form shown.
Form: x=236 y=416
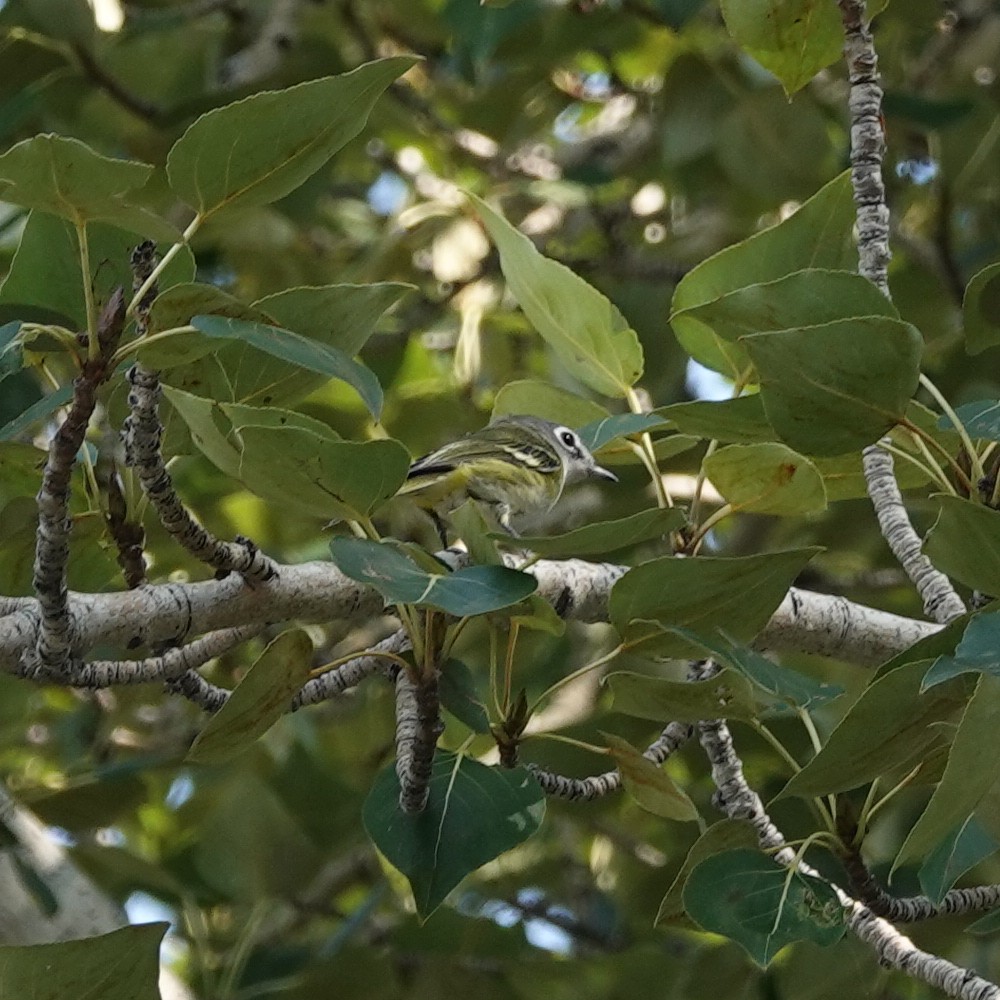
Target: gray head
x=577 y=460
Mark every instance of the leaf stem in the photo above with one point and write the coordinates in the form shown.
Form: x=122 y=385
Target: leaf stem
x=699 y=536
x=123 y=352
x=977 y=466
x=647 y=454
x=93 y=347
x=569 y=678
x=140 y=294
x=960 y=473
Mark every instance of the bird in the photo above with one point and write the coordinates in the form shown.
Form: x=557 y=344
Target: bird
x=516 y=464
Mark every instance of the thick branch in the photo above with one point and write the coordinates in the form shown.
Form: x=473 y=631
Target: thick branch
x=318 y=592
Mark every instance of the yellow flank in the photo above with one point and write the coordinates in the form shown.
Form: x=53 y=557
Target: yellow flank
x=489 y=480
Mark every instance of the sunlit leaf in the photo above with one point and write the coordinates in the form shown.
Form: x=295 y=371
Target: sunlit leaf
x=256 y=150
x=584 y=328
x=65 y=177
x=541 y=399
x=766 y=478
x=726 y=695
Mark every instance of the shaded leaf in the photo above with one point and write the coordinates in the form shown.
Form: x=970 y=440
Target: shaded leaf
x=964 y=543
x=980 y=419
x=721 y=836
x=977 y=652
x=340 y=316
x=839 y=386
x=968 y=775
x=961 y=849
x=981 y=309
x=702 y=594
x=741 y=419
x=541 y=399
x=890 y=725
x=301 y=351
x=474 y=814
x=298 y=468
x=45 y=407
x=604 y=536
x=760 y=905
x=727 y=695
x=460 y=696
x=474 y=590
x=122 y=965
x=648 y=783
x=258 y=701
x=766 y=479
x=601 y=432
x=257 y=150
x=584 y=328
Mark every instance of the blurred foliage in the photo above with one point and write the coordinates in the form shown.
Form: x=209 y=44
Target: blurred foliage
x=630 y=140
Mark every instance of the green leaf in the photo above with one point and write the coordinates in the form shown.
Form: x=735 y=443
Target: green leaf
x=340 y=316
x=301 y=351
x=213 y=426
x=540 y=399
x=839 y=386
x=174 y=308
x=258 y=701
x=727 y=695
x=965 y=543
x=45 y=272
x=818 y=235
x=891 y=725
x=474 y=814
x=603 y=431
x=981 y=309
x=961 y=849
x=968 y=775
x=801 y=299
x=584 y=328
x=766 y=479
x=761 y=905
x=459 y=695
x=977 y=652
x=474 y=590
x=65 y=177
x=604 y=536
x=702 y=594
x=980 y=419
x=793 y=39
x=46 y=406
x=297 y=468
x=257 y=150
x=741 y=419
x=122 y=965
x=721 y=836
x=783 y=683
x=649 y=784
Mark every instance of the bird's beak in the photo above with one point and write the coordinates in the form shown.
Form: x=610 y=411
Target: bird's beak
x=603 y=473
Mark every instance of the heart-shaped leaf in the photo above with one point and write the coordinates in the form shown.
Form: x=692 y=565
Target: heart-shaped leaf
x=541 y=399
x=839 y=386
x=762 y=906
x=474 y=814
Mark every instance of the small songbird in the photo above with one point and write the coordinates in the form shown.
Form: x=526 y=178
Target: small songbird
x=514 y=465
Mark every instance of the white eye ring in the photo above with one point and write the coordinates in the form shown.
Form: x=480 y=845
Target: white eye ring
x=567 y=437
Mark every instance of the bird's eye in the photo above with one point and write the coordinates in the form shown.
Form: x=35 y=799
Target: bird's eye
x=568 y=438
